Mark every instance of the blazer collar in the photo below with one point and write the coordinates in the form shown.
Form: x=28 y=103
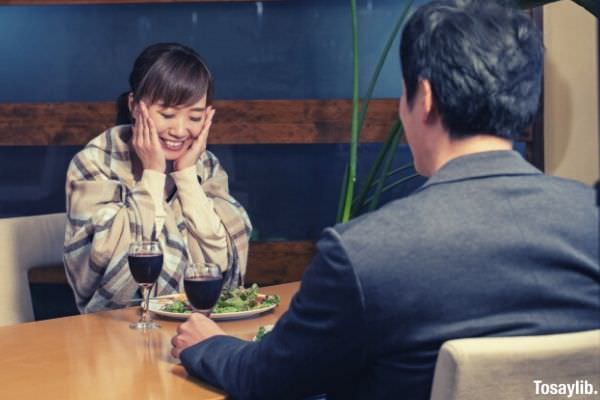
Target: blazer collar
x=481 y=165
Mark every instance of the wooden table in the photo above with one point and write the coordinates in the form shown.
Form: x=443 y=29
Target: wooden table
x=97 y=356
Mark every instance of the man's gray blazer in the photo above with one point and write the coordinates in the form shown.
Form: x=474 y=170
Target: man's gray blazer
x=489 y=246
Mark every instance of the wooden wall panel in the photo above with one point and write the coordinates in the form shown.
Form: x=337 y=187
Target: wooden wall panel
x=269 y=263
x=236 y=122
x=47 y=274
x=45 y=124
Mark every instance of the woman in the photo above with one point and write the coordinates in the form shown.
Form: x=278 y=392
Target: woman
x=153 y=179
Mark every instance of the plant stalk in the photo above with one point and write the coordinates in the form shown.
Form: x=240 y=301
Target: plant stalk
x=342 y=194
x=381 y=62
x=394 y=184
x=386 y=168
x=354 y=136
x=359 y=200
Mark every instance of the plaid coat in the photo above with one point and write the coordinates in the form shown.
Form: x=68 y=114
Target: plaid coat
x=108 y=206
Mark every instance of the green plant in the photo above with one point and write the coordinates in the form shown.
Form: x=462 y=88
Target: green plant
x=351 y=205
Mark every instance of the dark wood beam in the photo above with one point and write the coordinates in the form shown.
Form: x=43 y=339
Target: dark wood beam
x=269 y=263
x=236 y=122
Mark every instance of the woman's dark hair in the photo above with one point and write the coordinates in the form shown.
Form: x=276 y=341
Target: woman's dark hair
x=168 y=72
x=483 y=60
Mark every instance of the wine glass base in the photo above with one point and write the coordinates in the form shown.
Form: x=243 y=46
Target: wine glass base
x=144 y=325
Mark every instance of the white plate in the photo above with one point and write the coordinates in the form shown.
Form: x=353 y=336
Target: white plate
x=156 y=303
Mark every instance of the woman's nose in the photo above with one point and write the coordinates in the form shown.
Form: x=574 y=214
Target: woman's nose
x=178 y=128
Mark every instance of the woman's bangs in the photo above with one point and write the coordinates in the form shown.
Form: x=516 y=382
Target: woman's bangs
x=180 y=85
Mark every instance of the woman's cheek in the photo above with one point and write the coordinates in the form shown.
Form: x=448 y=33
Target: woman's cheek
x=159 y=125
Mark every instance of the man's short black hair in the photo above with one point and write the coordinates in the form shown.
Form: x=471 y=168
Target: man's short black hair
x=484 y=62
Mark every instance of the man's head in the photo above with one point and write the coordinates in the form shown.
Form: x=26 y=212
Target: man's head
x=482 y=62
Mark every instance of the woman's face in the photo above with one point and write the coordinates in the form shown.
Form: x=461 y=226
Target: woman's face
x=177 y=126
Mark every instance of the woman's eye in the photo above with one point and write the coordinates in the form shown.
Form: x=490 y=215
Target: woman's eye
x=167 y=116
x=197 y=119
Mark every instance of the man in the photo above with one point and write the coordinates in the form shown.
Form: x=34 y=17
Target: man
x=489 y=246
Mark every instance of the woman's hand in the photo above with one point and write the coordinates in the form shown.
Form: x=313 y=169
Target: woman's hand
x=198 y=145
x=145 y=140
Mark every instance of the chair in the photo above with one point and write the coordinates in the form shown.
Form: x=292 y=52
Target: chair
x=507 y=368
x=26 y=242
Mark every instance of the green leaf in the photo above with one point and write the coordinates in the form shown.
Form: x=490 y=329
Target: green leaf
x=381 y=62
x=386 y=168
x=342 y=201
x=394 y=184
x=351 y=181
x=347 y=200
x=359 y=201
x=394 y=172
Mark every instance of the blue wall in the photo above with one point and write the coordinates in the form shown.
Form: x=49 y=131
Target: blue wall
x=293 y=49
x=272 y=50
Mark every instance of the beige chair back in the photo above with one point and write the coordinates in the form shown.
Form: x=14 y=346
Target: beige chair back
x=521 y=367
x=26 y=242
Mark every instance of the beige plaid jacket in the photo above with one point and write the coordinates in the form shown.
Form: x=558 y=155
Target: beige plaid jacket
x=108 y=206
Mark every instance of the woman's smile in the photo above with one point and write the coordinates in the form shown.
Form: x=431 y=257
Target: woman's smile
x=172 y=145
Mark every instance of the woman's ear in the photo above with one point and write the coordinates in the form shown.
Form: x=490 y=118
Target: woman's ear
x=132 y=106
x=130 y=102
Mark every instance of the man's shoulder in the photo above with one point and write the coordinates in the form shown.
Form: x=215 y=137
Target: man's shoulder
x=436 y=212
x=566 y=183
x=382 y=233
x=406 y=209
x=569 y=193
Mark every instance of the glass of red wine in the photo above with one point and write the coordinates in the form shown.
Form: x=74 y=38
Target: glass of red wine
x=145 y=263
x=202 y=283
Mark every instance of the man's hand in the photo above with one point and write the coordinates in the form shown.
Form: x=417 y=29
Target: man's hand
x=145 y=140
x=198 y=145
x=196 y=329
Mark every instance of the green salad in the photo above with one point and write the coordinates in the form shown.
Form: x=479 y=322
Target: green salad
x=262 y=332
x=235 y=300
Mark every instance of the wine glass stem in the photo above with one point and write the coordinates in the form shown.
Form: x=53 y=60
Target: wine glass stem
x=146 y=294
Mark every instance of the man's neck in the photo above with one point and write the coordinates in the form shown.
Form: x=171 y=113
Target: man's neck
x=453 y=148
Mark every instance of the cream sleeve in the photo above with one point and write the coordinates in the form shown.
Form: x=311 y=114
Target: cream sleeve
x=154 y=183
x=201 y=218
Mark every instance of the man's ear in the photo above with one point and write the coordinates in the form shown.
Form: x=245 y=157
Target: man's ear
x=429 y=110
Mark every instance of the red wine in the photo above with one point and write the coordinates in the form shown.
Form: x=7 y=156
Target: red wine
x=145 y=268
x=203 y=291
